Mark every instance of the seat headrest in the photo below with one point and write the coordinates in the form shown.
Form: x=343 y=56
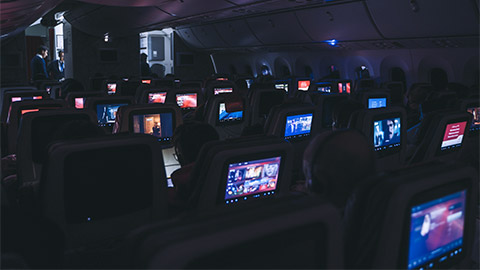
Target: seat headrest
x=233 y=103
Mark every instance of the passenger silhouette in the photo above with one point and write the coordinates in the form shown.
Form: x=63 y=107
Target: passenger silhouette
x=336 y=162
x=38 y=65
x=187 y=139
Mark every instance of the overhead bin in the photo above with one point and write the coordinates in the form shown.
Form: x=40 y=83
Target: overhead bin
x=237 y=33
x=281 y=28
x=208 y=36
x=343 y=22
x=187 y=8
x=424 y=18
x=189 y=37
x=117 y=21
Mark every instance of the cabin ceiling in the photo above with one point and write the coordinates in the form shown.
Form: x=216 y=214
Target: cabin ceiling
x=254 y=24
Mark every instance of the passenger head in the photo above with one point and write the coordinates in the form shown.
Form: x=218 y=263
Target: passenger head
x=43 y=51
x=417 y=96
x=342 y=111
x=189 y=138
x=336 y=162
x=61 y=55
x=143 y=57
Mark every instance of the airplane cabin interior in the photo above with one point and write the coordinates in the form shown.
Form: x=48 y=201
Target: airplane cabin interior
x=239 y=134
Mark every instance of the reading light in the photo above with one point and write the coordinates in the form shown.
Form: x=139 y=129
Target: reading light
x=106 y=37
x=332 y=42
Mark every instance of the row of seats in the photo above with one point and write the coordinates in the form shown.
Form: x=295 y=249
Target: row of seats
x=119 y=161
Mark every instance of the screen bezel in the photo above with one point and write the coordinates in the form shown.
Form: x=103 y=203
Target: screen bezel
x=186 y=93
x=296 y=139
x=439 y=151
x=393 y=150
x=153 y=111
x=226 y=123
x=221 y=201
x=425 y=197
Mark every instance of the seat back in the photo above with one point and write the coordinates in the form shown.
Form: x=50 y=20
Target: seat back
x=228 y=114
x=219 y=87
x=418 y=217
x=77 y=99
x=386 y=128
x=35 y=133
x=100 y=188
x=442 y=136
x=151 y=94
x=285 y=234
x=262 y=101
x=10 y=97
x=18 y=109
x=245 y=170
x=296 y=123
x=326 y=103
x=142 y=118
x=106 y=109
x=187 y=99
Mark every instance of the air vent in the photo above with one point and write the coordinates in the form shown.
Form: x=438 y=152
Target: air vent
x=446 y=43
x=386 y=45
x=243 y=11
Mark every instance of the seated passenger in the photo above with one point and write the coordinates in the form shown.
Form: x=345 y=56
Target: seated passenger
x=415 y=98
x=187 y=139
x=342 y=111
x=336 y=162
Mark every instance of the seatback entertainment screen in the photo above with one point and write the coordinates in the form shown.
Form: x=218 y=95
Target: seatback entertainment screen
x=252 y=179
x=106 y=113
x=224 y=116
x=303 y=85
x=374 y=103
x=157 y=97
x=159 y=125
x=475 y=111
x=217 y=91
x=436 y=231
x=386 y=133
x=187 y=101
x=297 y=126
x=453 y=136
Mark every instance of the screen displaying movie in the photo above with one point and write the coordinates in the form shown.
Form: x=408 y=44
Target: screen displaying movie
x=386 y=134
x=16 y=99
x=158 y=97
x=282 y=86
x=436 y=231
x=298 y=126
x=171 y=163
x=106 y=113
x=374 y=103
x=344 y=87
x=252 y=179
x=224 y=116
x=111 y=88
x=187 y=101
x=146 y=81
x=303 y=85
x=159 y=125
x=79 y=103
x=453 y=136
x=217 y=91
x=475 y=111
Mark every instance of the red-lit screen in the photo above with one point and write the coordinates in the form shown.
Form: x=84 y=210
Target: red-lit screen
x=303 y=85
x=187 y=100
